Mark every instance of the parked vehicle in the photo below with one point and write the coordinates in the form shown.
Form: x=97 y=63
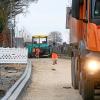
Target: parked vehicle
x=38 y=41
x=83 y=19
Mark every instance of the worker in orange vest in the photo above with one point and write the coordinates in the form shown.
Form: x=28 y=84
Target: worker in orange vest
x=54 y=58
x=37 y=52
x=54 y=54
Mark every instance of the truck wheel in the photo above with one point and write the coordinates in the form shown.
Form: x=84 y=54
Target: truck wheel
x=74 y=73
x=87 y=90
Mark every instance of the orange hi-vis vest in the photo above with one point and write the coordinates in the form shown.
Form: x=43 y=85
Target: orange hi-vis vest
x=54 y=56
x=37 y=50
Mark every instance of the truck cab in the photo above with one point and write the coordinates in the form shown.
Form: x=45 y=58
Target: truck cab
x=83 y=20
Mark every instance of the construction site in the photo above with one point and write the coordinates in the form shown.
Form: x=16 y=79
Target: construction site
x=63 y=64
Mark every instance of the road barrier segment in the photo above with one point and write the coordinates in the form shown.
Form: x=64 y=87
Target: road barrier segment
x=16 y=89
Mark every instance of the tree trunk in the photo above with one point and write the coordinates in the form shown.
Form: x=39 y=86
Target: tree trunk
x=6 y=37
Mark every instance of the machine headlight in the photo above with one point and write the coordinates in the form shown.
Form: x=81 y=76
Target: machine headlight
x=92 y=66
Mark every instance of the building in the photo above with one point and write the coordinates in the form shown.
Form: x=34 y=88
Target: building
x=19 y=42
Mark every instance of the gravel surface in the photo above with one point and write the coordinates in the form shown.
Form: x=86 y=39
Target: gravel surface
x=9 y=74
x=50 y=82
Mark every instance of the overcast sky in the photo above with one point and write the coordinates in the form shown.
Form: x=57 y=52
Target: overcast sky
x=44 y=17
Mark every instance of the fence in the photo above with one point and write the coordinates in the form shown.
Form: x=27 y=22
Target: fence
x=13 y=55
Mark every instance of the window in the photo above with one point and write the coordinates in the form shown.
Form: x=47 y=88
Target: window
x=39 y=40
x=97 y=8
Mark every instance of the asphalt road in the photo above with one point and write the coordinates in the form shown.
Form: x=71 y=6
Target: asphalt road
x=49 y=84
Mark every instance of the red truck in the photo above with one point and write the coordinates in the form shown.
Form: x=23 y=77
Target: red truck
x=83 y=20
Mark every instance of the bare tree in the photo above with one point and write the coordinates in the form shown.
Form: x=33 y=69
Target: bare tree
x=55 y=36
x=8 y=10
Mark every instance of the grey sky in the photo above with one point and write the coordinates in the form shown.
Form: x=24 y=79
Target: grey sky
x=44 y=17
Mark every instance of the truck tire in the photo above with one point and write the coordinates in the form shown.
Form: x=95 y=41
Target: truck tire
x=74 y=73
x=87 y=89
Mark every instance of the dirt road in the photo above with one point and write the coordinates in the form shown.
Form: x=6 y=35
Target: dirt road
x=48 y=84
